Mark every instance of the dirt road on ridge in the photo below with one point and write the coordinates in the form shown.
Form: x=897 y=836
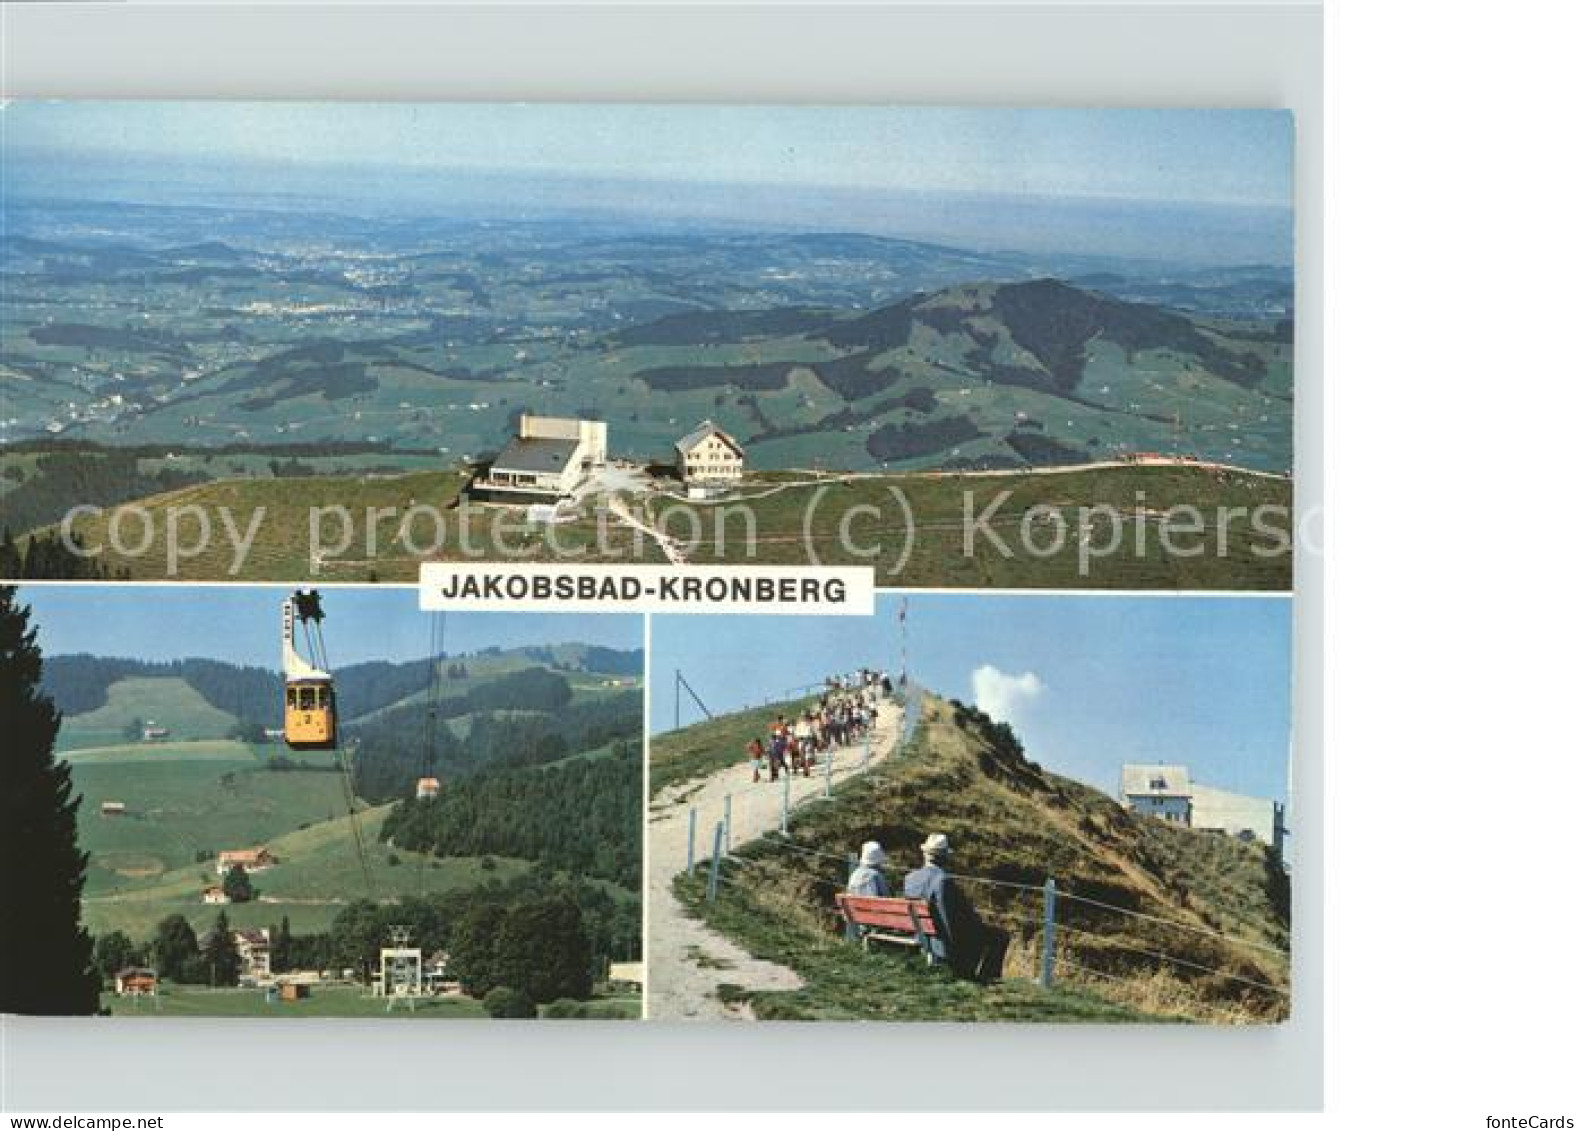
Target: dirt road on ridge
x=687 y=962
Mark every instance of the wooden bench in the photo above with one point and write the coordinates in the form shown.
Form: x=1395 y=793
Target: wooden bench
x=900 y=922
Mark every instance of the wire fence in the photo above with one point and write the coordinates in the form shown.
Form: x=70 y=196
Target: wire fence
x=733 y=872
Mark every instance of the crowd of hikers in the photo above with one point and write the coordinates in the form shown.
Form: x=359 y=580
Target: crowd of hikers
x=965 y=942
x=845 y=711
x=847 y=707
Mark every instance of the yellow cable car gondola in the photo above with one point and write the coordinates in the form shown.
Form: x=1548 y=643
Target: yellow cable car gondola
x=310 y=691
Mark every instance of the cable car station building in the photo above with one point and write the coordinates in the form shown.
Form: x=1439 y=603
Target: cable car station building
x=544 y=462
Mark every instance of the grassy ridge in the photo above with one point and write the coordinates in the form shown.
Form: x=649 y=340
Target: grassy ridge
x=847 y=983
x=770 y=529
x=1013 y=822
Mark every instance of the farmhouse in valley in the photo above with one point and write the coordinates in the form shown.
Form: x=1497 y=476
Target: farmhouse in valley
x=708 y=458
x=250 y=860
x=214 y=894
x=1171 y=794
x=135 y=981
x=253 y=949
x=544 y=462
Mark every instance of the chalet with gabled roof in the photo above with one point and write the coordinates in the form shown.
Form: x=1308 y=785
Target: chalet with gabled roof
x=710 y=458
x=250 y=860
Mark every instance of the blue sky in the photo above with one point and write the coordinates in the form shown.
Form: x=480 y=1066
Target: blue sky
x=1088 y=681
x=241 y=624
x=1204 y=156
x=1191 y=185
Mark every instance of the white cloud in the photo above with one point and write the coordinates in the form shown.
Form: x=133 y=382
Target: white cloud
x=1005 y=697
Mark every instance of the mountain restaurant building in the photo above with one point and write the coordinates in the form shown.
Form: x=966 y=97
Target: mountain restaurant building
x=544 y=462
x=708 y=458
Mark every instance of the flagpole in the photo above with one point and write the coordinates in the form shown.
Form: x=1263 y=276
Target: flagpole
x=902 y=620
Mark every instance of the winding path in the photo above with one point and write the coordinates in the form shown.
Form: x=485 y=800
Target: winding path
x=688 y=962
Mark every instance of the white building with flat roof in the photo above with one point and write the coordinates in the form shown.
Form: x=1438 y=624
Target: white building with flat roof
x=1256 y=818
x=546 y=460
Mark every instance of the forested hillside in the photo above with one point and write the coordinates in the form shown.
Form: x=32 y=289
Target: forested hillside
x=578 y=814
x=396 y=748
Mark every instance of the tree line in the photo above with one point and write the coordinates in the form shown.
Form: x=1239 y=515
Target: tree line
x=399 y=746
x=45 y=556
x=513 y=945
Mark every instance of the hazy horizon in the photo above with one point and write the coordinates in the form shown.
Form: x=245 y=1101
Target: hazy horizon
x=1209 y=187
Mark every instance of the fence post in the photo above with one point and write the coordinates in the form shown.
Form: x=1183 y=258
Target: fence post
x=714 y=877
x=1048 y=945
x=726 y=819
x=852 y=866
x=786 y=801
x=692 y=828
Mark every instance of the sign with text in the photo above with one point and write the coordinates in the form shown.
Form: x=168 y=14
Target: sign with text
x=799 y=590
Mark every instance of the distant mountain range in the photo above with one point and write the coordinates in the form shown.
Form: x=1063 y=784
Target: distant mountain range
x=84 y=685
x=838 y=349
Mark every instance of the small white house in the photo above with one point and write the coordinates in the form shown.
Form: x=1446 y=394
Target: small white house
x=709 y=458
x=1159 y=791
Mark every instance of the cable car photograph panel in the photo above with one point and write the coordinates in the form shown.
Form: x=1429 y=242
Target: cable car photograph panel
x=310 y=722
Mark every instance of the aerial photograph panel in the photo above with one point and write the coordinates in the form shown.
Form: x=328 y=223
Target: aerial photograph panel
x=1029 y=348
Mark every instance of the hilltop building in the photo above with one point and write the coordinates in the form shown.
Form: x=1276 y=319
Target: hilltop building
x=1171 y=794
x=708 y=459
x=1159 y=791
x=250 y=860
x=152 y=732
x=1248 y=818
x=544 y=462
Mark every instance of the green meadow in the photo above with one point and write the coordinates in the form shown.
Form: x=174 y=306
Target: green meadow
x=169 y=702
x=156 y=858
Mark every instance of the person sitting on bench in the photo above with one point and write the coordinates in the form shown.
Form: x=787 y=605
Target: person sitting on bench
x=867 y=878
x=971 y=947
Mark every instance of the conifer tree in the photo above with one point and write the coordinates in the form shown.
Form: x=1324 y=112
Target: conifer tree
x=46 y=957
x=219 y=959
